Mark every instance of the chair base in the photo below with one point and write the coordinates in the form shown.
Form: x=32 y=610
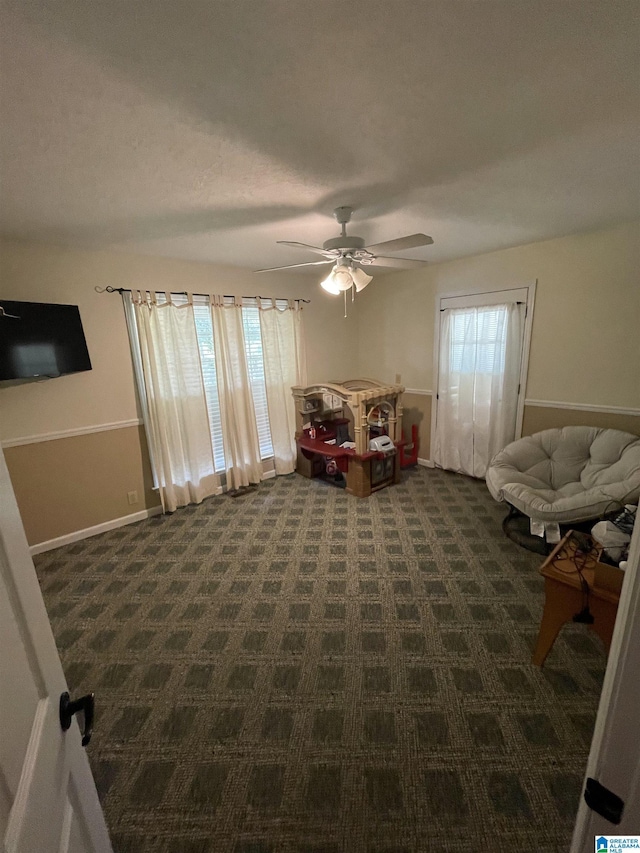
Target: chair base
x=516 y=527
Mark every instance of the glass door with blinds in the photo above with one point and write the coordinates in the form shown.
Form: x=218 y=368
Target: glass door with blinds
x=480 y=365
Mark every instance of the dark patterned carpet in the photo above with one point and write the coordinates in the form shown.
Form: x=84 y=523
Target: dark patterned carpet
x=297 y=670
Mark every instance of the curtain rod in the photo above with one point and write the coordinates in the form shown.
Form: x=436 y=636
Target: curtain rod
x=110 y=289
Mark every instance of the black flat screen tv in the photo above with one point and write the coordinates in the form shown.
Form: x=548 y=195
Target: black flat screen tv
x=39 y=339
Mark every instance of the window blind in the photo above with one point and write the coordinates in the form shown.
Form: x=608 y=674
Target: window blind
x=476 y=344
x=255 y=367
x=204 y=331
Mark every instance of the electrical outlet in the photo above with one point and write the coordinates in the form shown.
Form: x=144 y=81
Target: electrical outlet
x=398 y=379
x=132 y=497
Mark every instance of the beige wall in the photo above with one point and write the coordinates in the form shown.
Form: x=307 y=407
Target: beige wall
x=537 y=418
x=106 y=394
x=417 y=410
x=74 y=483
x=585 y=346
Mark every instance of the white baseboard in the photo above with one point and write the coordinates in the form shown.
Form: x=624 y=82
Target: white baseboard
x=77 y=535
x=269 y=475
x=426 y=463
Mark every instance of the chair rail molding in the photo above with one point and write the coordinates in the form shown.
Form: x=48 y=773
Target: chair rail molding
x=582 y=407
x=69 y=433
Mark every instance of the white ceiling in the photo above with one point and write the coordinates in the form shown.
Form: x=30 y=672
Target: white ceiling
x=209 y=130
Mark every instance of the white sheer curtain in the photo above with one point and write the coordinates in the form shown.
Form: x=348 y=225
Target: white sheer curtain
x=239 y=431
x=284 y=365
x=479 y=372
x=176 y=416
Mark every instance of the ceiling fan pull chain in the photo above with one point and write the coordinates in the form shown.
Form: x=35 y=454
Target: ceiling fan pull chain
x=345 y=304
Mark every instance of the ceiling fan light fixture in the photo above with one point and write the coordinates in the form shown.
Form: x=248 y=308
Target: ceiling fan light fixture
x=360 y=279
x=342 y=278
x=329 y=285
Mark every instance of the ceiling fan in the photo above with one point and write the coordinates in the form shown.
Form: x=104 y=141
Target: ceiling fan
x=349 y=254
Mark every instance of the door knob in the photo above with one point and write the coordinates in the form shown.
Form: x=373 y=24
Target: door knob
x=86 y=704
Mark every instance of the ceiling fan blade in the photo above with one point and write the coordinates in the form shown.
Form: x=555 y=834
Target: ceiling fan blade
x=315 y=249
x=411 y=241
x=401 y=263
x=291 y=266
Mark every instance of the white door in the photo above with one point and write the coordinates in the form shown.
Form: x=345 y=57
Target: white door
x=48 y=799
x=481 y=364
x=614 y=761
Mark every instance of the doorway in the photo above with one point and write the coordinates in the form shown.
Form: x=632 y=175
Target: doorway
x=482 y=346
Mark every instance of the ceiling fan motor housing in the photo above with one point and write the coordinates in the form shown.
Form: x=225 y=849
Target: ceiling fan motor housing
x=343 y=243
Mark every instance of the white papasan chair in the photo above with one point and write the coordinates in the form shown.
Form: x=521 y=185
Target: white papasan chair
x=572 y=474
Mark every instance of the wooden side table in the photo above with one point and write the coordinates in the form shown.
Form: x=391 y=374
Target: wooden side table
x=564 y=595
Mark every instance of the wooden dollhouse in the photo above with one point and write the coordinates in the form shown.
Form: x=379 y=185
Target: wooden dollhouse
x=350 y=432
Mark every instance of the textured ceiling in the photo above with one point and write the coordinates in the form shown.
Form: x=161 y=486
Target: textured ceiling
x=209 y=130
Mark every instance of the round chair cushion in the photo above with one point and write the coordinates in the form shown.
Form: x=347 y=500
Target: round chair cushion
x=569 y=474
